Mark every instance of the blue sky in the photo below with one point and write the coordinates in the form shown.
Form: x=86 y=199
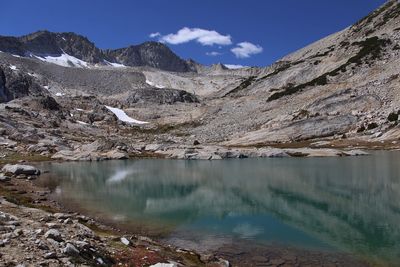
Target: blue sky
x=251 y=32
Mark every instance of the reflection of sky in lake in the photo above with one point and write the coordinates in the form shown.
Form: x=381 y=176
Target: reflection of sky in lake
x=350 y=204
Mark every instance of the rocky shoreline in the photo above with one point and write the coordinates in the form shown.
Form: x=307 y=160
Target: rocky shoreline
x=33 y=222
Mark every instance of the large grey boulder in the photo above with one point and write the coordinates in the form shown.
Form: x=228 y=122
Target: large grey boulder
x=18 y=169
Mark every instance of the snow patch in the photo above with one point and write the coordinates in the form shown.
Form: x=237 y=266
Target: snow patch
x=15 y=55
x=154 y=85
x=79 y=109
x=121 y=115
x=60 y=94
x=13 y=67
x=82 y=122
x=116 y=65
x=64 y=60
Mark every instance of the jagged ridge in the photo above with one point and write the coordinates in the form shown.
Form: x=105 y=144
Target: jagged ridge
x=45 y=43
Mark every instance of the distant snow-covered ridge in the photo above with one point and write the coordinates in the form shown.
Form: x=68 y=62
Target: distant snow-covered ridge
x=64 y=60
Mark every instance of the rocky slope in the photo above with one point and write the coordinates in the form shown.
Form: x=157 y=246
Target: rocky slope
x=342 y=91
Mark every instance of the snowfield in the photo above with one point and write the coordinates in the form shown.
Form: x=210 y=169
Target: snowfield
x=121 y=115
x=64 y=60
x=116 y=65
x=154 y=85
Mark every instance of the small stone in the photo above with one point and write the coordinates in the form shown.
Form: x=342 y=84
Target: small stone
x=81 y=244
x=4 y=178
x=53 y=234
x=71 y=250
x=18 y=232
x=50 y=255
x=224 y=263
x=42 y=246
x=67 y=221
x=62 y=216
x=53 y=225
x=125 y=241
x=39 y=231
x=15 y=223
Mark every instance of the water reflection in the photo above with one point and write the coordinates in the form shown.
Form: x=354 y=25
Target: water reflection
x=352 y=204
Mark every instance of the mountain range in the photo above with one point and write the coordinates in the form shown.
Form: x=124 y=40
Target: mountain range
x=340 y=92
x=44 y=44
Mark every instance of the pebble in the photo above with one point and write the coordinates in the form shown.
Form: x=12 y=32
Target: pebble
x=52 y=225
x=18 y=232
x=50 y=255
x=125 y=241
x=71 y=250
x=53 y=234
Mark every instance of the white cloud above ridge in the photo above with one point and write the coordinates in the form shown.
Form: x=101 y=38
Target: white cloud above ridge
x=154 y=34
x=235 y=66
x=202 y=36
x=213 y=53
x=246 y=49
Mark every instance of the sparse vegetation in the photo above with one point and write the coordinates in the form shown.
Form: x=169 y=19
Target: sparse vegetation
x=243 y=85
x=358 y=26
x=370 y=48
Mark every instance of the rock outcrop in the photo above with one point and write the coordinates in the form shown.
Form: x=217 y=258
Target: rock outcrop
x=18 y=169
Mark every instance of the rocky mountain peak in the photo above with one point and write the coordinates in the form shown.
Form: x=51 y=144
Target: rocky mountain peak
x=151 y=54
x=44 y=43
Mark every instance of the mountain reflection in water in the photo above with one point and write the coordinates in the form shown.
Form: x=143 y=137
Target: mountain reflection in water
x=345 y=204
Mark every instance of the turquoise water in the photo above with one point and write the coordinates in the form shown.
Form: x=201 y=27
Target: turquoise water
x=347 y=204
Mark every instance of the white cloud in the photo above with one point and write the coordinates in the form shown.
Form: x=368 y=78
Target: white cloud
x=202 y=36
x=246 y=49
x=234 y=66
x=213 y=53
x=154 y=34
